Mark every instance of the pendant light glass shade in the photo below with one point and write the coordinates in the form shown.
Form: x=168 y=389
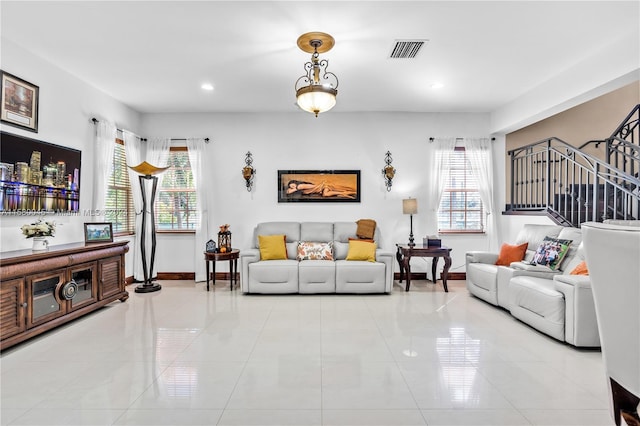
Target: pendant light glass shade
x=316 y=90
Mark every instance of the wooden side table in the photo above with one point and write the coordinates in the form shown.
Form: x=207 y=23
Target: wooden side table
x=231 y=256
x=405 y=253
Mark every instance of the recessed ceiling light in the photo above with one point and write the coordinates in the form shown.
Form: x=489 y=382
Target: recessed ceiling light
x=207 y=86
x=437 y=86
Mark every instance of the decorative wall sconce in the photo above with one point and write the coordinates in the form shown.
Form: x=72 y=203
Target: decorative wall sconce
x=248 y=172
x=388 y=172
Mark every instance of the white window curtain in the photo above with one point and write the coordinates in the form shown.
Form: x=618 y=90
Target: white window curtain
x=437 y=172
x=134 y=150
x=480 y=154
x=196 y=148
x=103 y=161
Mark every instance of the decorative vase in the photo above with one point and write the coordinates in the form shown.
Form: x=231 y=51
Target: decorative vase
x=40 y=243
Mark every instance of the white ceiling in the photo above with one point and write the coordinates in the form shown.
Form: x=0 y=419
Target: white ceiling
x=154 y=56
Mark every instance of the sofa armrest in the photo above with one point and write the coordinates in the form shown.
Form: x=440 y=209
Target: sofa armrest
x=581 y=325
x=387 y=258
x=481 y=257
x=246 y=257
x=577 y=281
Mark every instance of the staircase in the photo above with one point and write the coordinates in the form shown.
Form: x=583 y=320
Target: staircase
x=573 y=187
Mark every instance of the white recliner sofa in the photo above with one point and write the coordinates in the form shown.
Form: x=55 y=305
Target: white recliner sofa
x=554 y=302
x=488 y=281
x=314 y=276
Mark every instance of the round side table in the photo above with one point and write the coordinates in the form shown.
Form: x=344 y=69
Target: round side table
x=232 y=256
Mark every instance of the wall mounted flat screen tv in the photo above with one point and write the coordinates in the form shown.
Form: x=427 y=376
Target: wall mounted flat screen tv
x=37 y=176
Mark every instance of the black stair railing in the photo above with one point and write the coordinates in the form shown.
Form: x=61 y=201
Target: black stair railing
x=571 y=186
x=623 y=146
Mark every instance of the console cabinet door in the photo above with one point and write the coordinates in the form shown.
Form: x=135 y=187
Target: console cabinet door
x=43 y=292
x=111 y=276
x=85 y=276
x=12 y=307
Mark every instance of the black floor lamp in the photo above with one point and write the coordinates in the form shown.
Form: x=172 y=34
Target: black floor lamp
x=148 y=172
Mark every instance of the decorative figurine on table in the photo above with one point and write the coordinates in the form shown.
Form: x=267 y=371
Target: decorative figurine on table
x=224 y=239
x=211 y=246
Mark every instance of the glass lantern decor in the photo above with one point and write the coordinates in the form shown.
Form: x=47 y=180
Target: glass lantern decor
x=224 y=239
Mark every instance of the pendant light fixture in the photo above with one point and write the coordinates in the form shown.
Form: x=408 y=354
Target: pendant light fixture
x=316 y=90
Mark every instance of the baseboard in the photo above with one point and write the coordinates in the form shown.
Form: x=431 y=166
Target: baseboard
x=189 y=276
x=226 y=276
x=423 y=276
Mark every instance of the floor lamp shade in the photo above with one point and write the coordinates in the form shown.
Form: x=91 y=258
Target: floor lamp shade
x=147 y=172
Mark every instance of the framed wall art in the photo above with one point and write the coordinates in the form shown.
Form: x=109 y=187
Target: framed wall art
x=98 y=232
x=318 y=186
x=38 y=176
x=19 y=102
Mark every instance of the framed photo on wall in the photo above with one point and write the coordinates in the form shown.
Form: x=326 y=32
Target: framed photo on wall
x=98 y=232
x=319 y=186
x=19 y=103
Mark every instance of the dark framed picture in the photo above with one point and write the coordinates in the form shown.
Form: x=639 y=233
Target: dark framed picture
x=38 y=176
x=98 y=232
x=19 y=102
x=318 y=186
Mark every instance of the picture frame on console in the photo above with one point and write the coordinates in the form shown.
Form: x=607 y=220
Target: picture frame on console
x=319 y=186
x=19 y=105
x=98 y=232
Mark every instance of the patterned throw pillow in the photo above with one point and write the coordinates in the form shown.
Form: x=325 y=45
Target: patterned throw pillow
x=314 y=251
x=550 y=252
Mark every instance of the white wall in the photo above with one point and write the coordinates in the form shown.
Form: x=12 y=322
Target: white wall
x=67 y=105
x=301 y=141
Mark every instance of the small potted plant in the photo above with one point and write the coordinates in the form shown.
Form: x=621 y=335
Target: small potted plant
x=38 y=231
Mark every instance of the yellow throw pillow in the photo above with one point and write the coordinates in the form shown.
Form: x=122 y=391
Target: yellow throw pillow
x=362 y=250
x=272 y=247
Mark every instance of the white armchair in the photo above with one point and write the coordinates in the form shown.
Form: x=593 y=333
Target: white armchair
x=613 y=259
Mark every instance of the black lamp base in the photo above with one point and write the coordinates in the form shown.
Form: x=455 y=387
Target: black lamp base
x=148 y=288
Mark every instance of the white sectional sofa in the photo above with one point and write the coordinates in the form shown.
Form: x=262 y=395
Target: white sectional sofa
x=314 y=276
x=554 y=302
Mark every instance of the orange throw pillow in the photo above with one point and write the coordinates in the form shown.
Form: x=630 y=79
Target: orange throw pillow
x=509 y=253
x=580 y=269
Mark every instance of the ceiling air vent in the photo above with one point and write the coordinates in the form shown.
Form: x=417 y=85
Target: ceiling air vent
x=407 y=49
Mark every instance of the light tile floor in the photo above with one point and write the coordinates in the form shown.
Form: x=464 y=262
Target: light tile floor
x=183 y=356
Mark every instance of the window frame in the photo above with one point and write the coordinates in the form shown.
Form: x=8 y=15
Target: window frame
x=125 y=185
x=466 y=190
x=159 y=190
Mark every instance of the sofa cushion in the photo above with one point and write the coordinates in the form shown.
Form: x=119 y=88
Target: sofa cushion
x=317 y=276
x=275 y=276
x=366 y=228
x=551 y=251
x=533 y=234
x=290 y=229
x=272 y=247
x=362 y=250
x=315 y=251
x=511 y=253
x=316 y=231
x=360 y=276
x=580 y=269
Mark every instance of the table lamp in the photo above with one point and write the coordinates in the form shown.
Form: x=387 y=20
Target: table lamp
x=410 y=207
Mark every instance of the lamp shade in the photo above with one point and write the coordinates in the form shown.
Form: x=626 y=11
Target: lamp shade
x=410 y=206
x=316 y=98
